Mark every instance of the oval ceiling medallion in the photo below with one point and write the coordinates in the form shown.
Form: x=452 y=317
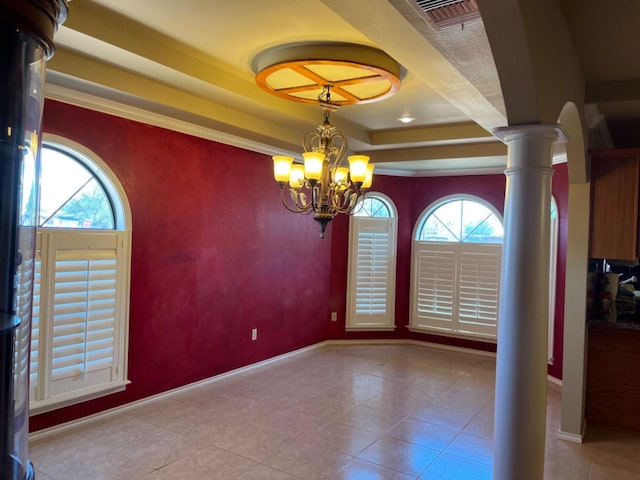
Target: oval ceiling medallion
x=355 y=73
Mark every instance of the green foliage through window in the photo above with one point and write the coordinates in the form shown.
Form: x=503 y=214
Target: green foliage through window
x=70 y=195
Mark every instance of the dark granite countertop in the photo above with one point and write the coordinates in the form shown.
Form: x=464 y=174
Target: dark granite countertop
x=625 y=313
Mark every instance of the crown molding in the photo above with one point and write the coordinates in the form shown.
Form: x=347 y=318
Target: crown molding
x=129 y=112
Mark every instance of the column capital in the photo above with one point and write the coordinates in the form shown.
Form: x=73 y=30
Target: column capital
x=549 y=131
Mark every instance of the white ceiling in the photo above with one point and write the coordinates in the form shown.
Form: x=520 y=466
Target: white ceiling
x=190 y=65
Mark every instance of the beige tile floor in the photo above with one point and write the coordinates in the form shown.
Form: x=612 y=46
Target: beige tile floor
x=351 y=412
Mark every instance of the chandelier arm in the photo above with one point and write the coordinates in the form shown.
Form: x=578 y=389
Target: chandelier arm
x=343 y=210
x=341 y=151
x=307 y=142
x=298 y=208
x=350 y=199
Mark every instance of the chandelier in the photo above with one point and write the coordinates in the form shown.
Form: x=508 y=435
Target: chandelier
x=323 y=184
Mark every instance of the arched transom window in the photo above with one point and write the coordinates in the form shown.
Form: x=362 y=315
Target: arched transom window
x=462 y=220
x=71 y=196
x=373 y=207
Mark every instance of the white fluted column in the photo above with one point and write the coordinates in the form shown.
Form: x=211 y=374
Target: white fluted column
x=521 y=371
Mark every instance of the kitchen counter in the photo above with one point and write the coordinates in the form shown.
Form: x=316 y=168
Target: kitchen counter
x=624 y=313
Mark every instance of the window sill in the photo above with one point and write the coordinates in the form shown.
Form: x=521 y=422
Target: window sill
x=448 y=333
x=60 y=401
x=372 y=328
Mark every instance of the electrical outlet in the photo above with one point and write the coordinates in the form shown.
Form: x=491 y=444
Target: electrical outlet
x=254 y=334
x=334 y=316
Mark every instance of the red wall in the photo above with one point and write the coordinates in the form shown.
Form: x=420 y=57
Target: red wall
x=560 y=181
x=214 y=254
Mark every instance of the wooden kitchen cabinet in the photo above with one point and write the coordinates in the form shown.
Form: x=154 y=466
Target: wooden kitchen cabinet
x=615 y=182
x=613 y=377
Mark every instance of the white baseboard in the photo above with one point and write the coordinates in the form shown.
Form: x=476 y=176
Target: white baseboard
x=407 y=341
x=554 y=380
x=571 y=437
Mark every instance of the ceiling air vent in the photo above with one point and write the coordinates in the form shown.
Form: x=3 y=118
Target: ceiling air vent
x=443 y=14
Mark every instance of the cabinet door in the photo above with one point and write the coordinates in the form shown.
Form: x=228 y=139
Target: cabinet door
x=614 y=206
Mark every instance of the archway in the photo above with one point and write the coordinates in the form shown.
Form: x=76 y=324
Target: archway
x=577 y=246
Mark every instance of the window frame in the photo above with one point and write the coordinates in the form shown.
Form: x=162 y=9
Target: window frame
x=382 y=321
x=46 y=239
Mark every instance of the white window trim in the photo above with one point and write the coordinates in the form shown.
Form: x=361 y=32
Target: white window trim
x=382 y=322
x=123 y=230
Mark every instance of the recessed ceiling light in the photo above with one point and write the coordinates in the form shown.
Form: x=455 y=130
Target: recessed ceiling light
x=406 y=119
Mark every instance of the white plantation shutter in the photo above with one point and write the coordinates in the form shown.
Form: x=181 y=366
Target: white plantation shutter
x=84 y=315
x=371 y=280
x=372 y=272
x=24 y=307
x=455 y=287
x=434 y=285
x=81 y=314
x=34 y=378
x=479 y=284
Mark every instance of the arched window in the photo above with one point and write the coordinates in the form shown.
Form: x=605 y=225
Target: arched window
x=81 y=288
x=372 y=265
x=461 y=220
x=71 y=196
x=456 y=254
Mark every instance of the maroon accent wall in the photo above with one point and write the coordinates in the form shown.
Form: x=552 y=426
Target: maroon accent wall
x=560 y=181
x=214 y=254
